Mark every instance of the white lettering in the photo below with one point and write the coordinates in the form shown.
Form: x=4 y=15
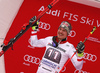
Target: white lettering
x=48 y=12
x=65 y=14
x=83 y=19
x=54 y=12
x=58 y=13
x=75 y=18
x=41 y=9
x=88 y=21
x=92 y=22
x=98 y=23
x=70 y=16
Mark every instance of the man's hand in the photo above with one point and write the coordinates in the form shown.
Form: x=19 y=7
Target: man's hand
x=36 y=26
x=80 y=48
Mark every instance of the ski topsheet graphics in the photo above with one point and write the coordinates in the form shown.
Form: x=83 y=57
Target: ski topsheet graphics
x=26 y=27
x=8 y=11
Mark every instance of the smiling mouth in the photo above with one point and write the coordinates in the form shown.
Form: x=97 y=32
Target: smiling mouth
x=60 y=34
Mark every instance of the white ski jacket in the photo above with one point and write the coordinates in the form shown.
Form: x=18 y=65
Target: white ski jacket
x=55 y=58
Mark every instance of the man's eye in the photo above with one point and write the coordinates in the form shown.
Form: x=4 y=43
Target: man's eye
x=59 y=28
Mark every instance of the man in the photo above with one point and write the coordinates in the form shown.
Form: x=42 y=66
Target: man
x=58 y=50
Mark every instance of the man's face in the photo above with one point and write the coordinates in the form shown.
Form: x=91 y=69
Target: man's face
x=61 y=33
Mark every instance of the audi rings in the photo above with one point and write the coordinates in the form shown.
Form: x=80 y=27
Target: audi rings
x=90 y=57
x=32 y=59
x=80 y=71
x=72 y=33
x=44 y=25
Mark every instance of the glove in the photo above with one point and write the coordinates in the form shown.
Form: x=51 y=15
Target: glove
x=36 y=26
x=80 y=48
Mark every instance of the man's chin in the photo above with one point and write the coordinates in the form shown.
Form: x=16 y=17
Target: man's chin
x=59 y=37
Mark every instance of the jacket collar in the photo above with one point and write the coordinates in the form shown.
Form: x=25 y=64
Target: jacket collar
x=60 y=42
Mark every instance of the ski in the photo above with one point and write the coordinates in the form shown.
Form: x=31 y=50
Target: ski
x=7 y=44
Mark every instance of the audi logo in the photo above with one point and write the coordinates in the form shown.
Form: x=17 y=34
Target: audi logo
x=32 y=59
x=90 y=57
x=80 y=71
x=72 y=33
x=44 y=25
